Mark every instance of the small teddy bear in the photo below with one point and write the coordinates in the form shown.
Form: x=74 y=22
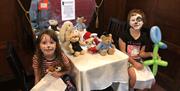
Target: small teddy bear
x=54 y=26
x=80 y=23
x=54 y=68
x=106 y=46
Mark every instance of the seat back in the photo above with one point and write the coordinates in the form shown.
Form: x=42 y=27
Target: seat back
x=17 y=67
x=115 y=27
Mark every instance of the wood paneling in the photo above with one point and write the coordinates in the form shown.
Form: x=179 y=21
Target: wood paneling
x=109 y=8
x=16 y=29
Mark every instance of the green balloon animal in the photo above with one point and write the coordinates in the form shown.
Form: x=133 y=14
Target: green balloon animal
x=155 y=35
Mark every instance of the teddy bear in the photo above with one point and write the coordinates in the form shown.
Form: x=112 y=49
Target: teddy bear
x=105 y=46
x=64 y=34
x=54 y=26
x=80 y=23
x=54 y=68
x=75 y=44
x=80 y=26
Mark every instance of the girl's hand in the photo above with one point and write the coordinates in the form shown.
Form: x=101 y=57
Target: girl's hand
x=138 y=65
x=57 y=74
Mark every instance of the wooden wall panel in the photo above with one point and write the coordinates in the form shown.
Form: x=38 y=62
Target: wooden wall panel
x=16 y=29
x=167 y=15
x=109 y=8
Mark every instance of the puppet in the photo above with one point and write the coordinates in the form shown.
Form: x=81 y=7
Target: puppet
x=75 y=44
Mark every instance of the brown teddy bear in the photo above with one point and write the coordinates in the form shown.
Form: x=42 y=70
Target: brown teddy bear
x=106 y=46
x=54 y=68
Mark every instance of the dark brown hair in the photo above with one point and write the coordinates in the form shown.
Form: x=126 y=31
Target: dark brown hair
x=39 y=53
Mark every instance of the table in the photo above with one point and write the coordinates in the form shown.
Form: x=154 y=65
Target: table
x=96 y=72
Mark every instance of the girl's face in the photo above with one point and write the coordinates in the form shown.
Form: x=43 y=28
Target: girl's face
x=136 y=22
x=47 y=45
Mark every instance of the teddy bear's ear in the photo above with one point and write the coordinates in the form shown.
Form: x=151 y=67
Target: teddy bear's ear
x=102 y=37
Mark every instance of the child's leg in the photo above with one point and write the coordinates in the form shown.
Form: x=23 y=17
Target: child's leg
x=132 y=77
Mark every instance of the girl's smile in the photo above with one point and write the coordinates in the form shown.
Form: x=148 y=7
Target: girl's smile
x=47 y=46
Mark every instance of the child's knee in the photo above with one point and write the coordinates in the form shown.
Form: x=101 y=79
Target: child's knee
x=131 y=73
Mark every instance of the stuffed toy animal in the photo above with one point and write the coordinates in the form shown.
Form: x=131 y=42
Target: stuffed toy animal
x=64 y=34
x=54 y=26
x=106 y=46
x=80 y=23
x=54 y=68
x=75 y=45
x=91 y=39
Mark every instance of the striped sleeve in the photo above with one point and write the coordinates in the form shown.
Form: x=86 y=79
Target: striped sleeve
x=65 y=58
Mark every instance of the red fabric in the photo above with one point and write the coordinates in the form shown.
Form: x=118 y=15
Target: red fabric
x=96 y=41
x=92 y=50
x=87 y=35
x=41 y=7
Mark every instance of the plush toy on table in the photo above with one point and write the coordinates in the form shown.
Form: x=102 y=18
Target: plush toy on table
x=81 y=26
x=75 y=44
x=64 y=34
x=155 y=35
x=91 y=39
x=106 y=46
x=54 y=26
x=80 y=23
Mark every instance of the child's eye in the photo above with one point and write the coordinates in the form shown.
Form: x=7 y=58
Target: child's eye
x=44 y=42
x=133 y=20
x=139 y=19
x=52 y=42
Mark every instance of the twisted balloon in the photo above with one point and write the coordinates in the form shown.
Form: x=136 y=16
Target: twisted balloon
x=155 y=35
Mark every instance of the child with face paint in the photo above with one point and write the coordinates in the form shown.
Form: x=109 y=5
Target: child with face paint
x=133 y=42
x=48 y=53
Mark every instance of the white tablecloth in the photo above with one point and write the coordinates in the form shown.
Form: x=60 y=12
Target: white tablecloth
x=95 y=72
